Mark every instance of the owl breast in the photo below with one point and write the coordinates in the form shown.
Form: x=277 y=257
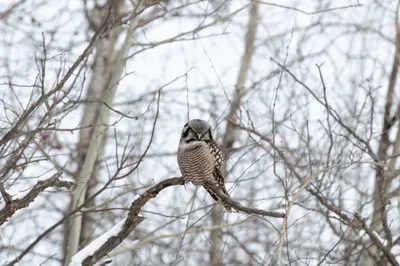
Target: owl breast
x=196 y=162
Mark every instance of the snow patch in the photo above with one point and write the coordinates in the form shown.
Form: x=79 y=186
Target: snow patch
x=280 y=210
x=396 y=251
x=96 y=244
x=383 y=241
x=66 y=178
x=136 y=197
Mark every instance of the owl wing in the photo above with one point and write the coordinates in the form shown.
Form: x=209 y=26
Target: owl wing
x=217 y=173
x=219 y=160
x=217 y=153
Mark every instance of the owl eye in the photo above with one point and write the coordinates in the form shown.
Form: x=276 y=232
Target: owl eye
x=185 y=132
x=210 y=134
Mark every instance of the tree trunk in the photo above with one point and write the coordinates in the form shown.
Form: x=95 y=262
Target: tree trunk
x=108 y=68
x=215 y=250
x=383 y=178
x=102 y=72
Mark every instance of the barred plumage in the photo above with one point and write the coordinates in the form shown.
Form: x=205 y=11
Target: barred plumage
x=200 y=158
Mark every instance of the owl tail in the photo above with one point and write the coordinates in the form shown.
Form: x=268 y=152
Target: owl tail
x=216 y=198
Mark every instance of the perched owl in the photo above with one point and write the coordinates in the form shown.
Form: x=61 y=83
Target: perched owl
x=200 y=158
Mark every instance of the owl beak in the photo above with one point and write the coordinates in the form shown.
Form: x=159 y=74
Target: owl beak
x=199 y=136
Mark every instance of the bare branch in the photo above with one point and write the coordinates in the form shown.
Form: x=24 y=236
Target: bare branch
x=308 y=12
x=15 y=205
x=237 y=206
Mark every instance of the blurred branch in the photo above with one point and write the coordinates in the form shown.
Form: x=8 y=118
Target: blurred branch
x=152 y=239
x=15 y=130
x=332 y=112
x=4 y=15
x=14 y=205
x=188 y=35
x=309 y=12
x=355 y=222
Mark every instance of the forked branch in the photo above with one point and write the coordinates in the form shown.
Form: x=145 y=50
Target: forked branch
x=12 y=206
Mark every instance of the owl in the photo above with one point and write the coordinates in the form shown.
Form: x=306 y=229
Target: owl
x=200 y=159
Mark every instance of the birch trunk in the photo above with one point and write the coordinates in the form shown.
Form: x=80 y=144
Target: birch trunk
x=102 y=73
x=108 y=68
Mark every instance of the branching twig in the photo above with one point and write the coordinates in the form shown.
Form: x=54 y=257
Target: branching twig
x=14 y=205
x=332 y=112
x=310 y=12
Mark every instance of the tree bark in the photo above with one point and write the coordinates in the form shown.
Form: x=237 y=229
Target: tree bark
x=108 y=68
x=102 y=73
x=383 y=179
x=215 y=250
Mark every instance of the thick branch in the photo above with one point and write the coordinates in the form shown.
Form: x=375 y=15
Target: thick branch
x=14 y=205
x=134 y=218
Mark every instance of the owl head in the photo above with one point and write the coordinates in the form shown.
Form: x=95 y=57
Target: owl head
x=196 y=130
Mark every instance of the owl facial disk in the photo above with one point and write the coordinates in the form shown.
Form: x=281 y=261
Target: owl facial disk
x=196 y=130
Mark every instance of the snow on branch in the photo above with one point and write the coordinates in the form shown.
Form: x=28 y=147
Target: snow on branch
x=104 y=244
x=90 y=249
x=114 y=238
x=11 y=206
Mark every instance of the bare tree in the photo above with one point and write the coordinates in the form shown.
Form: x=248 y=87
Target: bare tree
x=302 y=97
